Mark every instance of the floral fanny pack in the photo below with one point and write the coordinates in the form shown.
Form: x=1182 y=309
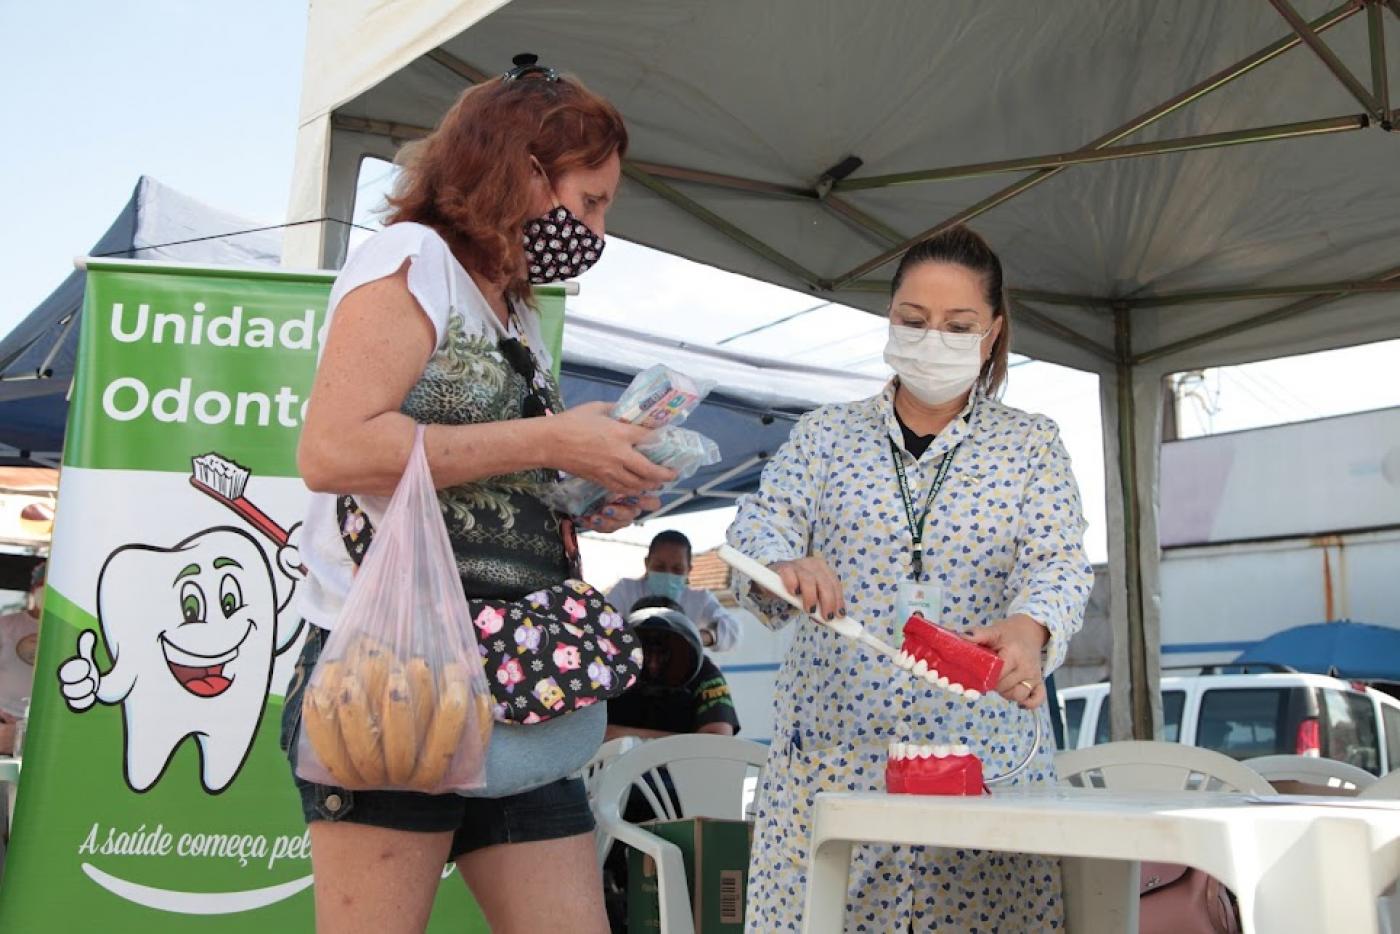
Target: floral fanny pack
x=554 y=651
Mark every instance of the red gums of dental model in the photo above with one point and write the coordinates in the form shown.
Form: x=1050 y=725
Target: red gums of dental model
x=948 y=775
x=957 y=659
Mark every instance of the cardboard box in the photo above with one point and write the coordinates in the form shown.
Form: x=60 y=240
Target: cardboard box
x=716 y=854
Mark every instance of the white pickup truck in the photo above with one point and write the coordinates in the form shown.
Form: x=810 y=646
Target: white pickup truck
x=1249 y=715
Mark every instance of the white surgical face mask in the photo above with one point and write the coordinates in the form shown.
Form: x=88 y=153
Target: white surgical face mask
x=935 y=367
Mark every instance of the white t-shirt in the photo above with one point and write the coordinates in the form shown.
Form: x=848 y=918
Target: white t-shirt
x=443 y=290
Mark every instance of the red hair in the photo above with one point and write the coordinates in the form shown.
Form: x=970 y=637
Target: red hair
x=470 y=178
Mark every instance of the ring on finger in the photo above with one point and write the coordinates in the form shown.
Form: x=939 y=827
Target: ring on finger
x=1028 y=685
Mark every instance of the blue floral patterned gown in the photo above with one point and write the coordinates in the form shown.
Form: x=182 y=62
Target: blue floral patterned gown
x=1005 y=536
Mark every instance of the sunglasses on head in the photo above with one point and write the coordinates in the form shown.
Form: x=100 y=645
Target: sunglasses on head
x=523 y=363
x=526 y=67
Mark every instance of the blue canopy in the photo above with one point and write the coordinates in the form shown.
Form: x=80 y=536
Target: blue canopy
x=748 y=415
x=1342 y=649
x=37 y=358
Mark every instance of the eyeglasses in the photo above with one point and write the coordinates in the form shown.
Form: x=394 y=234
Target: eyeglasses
x=952 y=334
x=526 y=66
x=523 y=363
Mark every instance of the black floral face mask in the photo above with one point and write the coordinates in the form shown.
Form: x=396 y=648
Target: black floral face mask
x=559 y=246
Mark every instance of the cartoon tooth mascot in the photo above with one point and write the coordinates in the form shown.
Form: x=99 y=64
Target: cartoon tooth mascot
x=193 y=632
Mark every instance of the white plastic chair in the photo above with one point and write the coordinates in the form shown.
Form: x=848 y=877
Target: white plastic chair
x=1309 y=770
x=1152 y=766
x=1140 y=766
x=1387 y=786
x=708 y=775
x=605 y=754
x=590 y=774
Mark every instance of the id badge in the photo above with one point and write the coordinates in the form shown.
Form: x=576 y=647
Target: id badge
x=920 y=597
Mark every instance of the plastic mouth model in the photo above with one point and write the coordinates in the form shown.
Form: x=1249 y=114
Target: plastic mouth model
x=912 y=769
x=947 y=660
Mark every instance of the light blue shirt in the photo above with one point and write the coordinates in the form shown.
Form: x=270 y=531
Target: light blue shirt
x=700 y=605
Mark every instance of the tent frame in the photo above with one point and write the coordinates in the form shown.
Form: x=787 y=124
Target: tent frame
x=656 y=177
x=1136 y=390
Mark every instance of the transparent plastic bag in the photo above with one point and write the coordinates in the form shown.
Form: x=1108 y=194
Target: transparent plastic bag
x=659 y=396
x=681 y=449
x=399 y=698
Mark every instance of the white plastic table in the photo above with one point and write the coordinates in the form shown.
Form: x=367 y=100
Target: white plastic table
x=1311 y=864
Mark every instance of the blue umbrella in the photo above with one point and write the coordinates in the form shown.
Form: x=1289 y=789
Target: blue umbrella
x=1343 y=650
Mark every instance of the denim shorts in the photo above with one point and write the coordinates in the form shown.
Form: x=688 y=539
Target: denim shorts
x=553 y=812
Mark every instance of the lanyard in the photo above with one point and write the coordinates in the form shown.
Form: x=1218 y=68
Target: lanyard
x=916 y=523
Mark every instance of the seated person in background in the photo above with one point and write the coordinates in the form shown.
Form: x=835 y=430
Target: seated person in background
x=680 y=690
x=668 y=570
x=19 y=643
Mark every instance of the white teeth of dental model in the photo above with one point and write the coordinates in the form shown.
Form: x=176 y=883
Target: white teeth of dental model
x=921 y=668
x=955 y=688
x=903 y=751
x=942 y=681
x=970 y=694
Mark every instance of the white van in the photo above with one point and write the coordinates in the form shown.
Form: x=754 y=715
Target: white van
x=1249 y=715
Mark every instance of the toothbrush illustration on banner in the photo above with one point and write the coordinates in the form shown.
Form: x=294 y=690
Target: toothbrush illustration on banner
x=226 y=481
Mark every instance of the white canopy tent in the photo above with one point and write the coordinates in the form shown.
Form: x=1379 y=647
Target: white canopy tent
x=806 y=142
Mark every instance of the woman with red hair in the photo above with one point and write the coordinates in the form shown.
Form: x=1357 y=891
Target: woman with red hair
x=430 y=323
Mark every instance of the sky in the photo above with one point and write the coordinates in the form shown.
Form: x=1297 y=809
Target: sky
x=204 y=96
x=200 y=95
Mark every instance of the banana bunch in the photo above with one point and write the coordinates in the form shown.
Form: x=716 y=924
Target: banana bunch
x=376 y=721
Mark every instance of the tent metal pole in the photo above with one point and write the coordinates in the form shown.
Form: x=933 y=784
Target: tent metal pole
x=707 y=491
x=717 y=180
x=837 y=206
x=394 y=131
x=1390 y=276
x=649 y=174
x=772 y=324
x=1192 y=94
x=1140 y=701
x=1064 y=333
x=844 y=209
x=1330 y=59
x=1261 y=134
x=1380 y=76
x=46 y=367
x=706 y=216
x=458 y=67
x=403 y=131
x=1281 y=291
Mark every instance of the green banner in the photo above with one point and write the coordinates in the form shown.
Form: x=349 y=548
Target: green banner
x=154 y=794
